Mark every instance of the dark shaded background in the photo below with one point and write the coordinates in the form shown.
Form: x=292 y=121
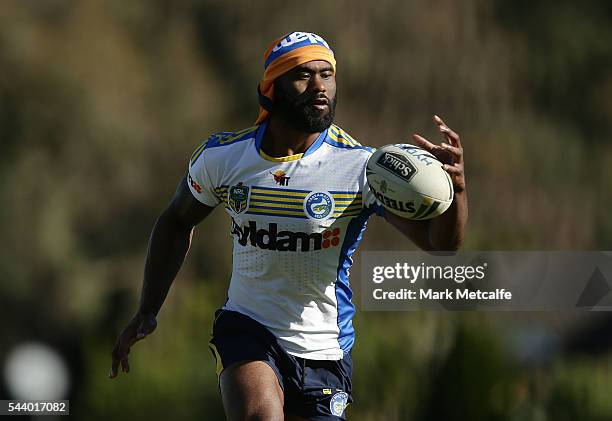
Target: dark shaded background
x=102 y=103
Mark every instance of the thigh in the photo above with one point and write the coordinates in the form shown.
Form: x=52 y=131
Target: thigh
x=250 y=390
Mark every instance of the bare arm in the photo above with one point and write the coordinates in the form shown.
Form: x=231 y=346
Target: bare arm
x=444 y=233
x=170 y=240
x=168 y=246
x=447 y=231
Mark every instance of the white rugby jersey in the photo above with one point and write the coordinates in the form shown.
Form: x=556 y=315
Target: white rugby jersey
x=296 y=222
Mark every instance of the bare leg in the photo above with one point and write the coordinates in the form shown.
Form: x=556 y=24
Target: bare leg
x=250 y=392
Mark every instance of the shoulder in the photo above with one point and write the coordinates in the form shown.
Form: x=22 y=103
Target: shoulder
x=229 y=138
x=220 y=139
x=341 y=139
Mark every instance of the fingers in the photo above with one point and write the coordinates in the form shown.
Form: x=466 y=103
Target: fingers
x=425 y=144
x=457 y=176
x=453 y=170
x=115 y=362
x=140 y=327
x=120 y=356
x=452 y=137
x=125 y=365
x=456 y=152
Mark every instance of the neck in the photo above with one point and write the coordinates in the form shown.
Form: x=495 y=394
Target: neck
x=280 y=139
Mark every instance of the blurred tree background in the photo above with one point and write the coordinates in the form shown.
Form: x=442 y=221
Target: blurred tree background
x=102 y=102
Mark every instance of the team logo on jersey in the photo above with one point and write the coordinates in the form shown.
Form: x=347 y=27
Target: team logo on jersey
x=280 y=177
x=238 y=198
x=338 y=403
x=319 y=205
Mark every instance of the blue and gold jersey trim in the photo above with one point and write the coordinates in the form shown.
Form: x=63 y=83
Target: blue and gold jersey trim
x=223 y=139
x=281 y=158
x=259 y=138
x=334 y=136
x=341 y=139
x=289 y=203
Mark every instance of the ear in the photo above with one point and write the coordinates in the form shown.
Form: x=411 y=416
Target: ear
x=264 y=101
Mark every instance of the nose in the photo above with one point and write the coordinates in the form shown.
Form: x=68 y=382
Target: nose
x=316 y=83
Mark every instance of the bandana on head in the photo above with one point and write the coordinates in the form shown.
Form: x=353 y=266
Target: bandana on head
x=283 y=55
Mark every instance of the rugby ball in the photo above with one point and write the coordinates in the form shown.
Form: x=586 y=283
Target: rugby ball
x=409 y=181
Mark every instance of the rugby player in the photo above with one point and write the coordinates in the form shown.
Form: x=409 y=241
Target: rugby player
x=294 y=187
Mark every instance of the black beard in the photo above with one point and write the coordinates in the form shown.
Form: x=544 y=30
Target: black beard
x=299 y=112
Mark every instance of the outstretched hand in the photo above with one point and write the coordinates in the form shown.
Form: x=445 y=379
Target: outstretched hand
x=449 y=154
x=138 y=328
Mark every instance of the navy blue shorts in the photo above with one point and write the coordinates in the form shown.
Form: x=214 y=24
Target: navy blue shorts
x=316 y=390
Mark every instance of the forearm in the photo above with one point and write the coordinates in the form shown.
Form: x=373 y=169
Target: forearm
x=446 y=232
x=168 y=246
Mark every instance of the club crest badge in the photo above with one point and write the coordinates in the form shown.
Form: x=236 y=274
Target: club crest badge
x=280 y=177
x=319 y=205
x=238 y=198
x=338 y=403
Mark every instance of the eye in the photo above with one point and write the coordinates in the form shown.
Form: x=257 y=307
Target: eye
x=327 y=75
x=303 y=75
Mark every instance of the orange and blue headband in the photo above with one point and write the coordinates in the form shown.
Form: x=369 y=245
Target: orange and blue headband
x=283 y=55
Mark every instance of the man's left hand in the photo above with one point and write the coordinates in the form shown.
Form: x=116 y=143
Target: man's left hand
x=449 y=154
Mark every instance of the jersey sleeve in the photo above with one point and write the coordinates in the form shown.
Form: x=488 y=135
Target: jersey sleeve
x=198 y=178
x=370 y=202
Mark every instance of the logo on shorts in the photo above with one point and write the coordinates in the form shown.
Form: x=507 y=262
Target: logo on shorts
x=338 y=403
x=319 y=205
x=238 y=198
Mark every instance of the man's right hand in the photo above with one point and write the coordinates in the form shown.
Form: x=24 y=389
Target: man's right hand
x=173 y=227
x=138 y=328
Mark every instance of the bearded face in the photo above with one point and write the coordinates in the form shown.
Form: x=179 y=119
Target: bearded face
x=305 y=97
x=308 y=112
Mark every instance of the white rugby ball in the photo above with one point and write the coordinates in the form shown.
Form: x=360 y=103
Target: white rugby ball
x=409 y=181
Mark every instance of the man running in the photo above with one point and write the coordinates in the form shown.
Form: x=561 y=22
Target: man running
x=294 y=187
